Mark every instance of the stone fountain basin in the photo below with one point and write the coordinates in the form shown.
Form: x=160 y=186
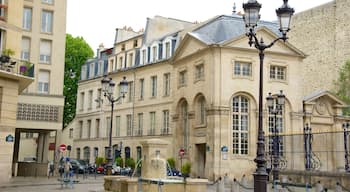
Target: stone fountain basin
x=127 y=184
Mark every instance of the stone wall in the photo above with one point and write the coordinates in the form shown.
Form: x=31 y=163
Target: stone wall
x=323 y=33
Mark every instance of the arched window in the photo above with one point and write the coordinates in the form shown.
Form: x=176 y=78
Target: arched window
x=201 y=113
x=184 y=123
x=96 y=152
x=127 y=152
x=78 y=153
x=240 y=125
x=87 y=154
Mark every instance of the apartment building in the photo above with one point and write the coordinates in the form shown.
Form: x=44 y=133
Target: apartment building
x=33 y=31
x=196 y=86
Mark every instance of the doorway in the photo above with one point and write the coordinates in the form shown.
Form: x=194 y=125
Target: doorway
x=201 y=159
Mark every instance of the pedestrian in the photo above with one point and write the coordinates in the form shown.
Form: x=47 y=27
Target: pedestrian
x=220 y=185
x=244 y=181
x=319 y=187
x=338 y=187
x=50 y=169
x=234 y=186
x=68 y=173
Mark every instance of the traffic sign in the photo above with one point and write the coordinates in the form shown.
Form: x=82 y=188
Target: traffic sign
x=182 y=152
x=62 y=147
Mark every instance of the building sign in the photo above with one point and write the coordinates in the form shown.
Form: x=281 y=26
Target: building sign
x=224 y=150
x=9 y=138
x=52 y=146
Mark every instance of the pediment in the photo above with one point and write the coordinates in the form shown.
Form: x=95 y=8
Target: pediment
x=188 y=46
x=323 y=103
x=268 y=37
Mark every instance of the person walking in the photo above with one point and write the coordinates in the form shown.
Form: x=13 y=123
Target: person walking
x=68 y=172
x=319 y=187
x=234 y=186
x=220 y=185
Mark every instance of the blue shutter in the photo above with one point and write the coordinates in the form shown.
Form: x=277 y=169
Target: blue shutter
x=96 y=68
x=148 y=54
x=160 y=51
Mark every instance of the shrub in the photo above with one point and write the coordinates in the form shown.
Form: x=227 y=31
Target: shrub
x=186 y=169
x=130 y=162
x=171 y=162
x=99 y=161
x=119 y=161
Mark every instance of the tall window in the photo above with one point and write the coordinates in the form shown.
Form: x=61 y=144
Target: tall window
x=27 y=19
x=117 y=126
x=153 y=86
x=243 y=69
x=43 y=81
x=278 y=72
x=201 y=111
x=154 y=53
x=142 y=88
x=182 y=78
x=184 y=123
x=165 y=129
x=240 y=124
x=167 y=50
x=199 y=73
x=140 y=124
x=152 y=118
x=128 y=125
x=97 y=128
x=99 y=98
x=45 y=51
x=80 y=129
x=88 y=129
x=131 y=58
x=87 y=154
x=167 y=84
x=131 y=91
x=82 y=98
x=25 y=52
x=90 y=100
x=47 y=1
x=46 y=21
x=144 y=56
x=278 y=124
x=108 y=126
x=78 y=153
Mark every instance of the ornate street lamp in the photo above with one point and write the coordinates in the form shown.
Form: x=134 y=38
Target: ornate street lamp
x=308 y=147
x=275 y=107
x=108 y=89
x=251 y=18
x=346 y=127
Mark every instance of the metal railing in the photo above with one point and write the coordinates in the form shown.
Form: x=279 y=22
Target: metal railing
x=16 y=66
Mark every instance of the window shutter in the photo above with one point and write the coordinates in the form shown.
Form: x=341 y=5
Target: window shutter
x=148 y=54
x=44 y=76
x=45 y=47
x=96 y=68
x=137 y=57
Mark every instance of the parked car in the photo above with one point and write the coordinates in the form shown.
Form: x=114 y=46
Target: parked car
x=173 y=172
x=79 y=166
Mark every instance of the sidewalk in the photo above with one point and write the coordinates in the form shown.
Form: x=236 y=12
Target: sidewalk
x=37 y=181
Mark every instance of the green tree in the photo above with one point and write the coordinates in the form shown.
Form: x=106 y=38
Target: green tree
x=343 y=85
x=130 y=162
x=119 y=161
x=99 y=161
x=77 y=52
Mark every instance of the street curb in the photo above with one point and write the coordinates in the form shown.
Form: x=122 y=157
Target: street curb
x=40 y=184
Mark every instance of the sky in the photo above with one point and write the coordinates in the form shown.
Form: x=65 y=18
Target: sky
x=96 y=20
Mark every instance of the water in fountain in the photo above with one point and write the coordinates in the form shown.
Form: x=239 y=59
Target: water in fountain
x=136 y=166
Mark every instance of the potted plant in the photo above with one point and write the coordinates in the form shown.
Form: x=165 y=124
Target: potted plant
x=186 y=169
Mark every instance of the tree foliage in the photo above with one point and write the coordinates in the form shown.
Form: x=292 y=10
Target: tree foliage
x=343 y=85
x=77 y=52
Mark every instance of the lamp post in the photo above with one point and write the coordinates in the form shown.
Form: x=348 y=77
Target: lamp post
x=251 y=17
x=346 y=135
x=108 y=89
x=275 y=107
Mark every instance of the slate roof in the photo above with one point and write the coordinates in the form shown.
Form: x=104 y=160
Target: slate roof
x=225 y=27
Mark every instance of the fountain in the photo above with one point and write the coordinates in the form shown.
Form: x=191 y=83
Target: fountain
x=154 y=173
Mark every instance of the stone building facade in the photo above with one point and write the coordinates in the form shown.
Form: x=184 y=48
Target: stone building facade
x=323 y=34
x=196 y=86
x=34 y=31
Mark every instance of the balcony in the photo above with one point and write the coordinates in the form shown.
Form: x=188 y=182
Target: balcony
x=15 y=66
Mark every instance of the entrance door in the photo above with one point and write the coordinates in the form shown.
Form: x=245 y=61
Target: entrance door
x=201 y=158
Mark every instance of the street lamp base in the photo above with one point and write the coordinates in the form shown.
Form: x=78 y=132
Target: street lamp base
x=260 y=182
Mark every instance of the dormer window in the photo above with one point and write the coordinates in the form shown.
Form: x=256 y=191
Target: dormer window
x=167 y=50
x=154 y=53
x=143 y=55
x=123 y=47
x=168 y=47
